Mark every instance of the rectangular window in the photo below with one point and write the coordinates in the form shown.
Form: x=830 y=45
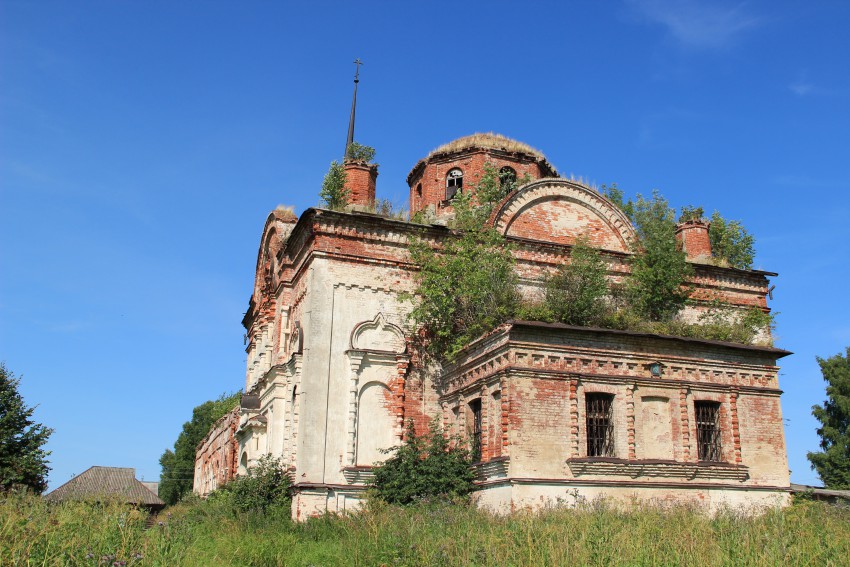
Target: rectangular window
x=708 y=430
x=600 y=428
x=475 y=437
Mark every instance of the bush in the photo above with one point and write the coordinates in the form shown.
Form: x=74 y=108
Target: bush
x=359 y=153
x=577 y=293
x=265 y=486
x=424 y=467
x=657 y=286
x=731 y=243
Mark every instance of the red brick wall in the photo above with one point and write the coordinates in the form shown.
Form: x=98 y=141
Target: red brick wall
x=432 y=181
x=360 y=182
x=694 y=238
x=216 y=458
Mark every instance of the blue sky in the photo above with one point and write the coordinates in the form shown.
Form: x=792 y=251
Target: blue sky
x=142 y=145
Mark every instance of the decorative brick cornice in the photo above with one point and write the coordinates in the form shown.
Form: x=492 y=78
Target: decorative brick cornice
x=636 y=469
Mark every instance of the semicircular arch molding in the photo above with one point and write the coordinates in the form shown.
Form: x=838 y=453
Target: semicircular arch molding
x=560 y=211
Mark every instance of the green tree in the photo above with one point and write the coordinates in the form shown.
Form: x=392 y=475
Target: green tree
x=23 y=461
x=360 y=153
x=730 y=242
x=615 y=195
x=656 y=288
x=469 y=286
x=833 y=463
x=178 y=466
x=424 y=467
x=334 y=194
x=576 y=294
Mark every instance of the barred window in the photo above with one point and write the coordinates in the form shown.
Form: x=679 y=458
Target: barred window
x=475 y=436
x=600 y=428
x=454 y=183
x=708 y=430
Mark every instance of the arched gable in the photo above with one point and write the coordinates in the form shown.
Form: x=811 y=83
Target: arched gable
x=560 y=211
x=378 y=335
x=278 y=225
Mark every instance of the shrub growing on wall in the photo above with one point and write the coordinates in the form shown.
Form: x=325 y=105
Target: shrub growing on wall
x=731 y=243
x=656 y=288
x=576 y=294
x=334 y=194
x=360 y=153
x=470 y=286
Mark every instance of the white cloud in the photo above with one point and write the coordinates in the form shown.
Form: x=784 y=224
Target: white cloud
x=802 y=86
x=706 y=25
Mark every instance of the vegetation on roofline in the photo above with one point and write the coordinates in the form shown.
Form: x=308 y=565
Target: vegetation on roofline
x=203 y=533
x=360 y=153
x=334 y=194
x=489 y=140
x=454 y=302
x=469 y=286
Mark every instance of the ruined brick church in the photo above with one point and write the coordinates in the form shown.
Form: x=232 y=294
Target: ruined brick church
x=558 y=412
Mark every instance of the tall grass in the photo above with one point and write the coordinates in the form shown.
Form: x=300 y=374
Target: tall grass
x=211 y=533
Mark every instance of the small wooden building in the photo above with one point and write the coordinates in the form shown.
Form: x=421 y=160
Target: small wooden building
x=99 y=483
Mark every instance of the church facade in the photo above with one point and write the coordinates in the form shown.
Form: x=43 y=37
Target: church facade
x=555 y=413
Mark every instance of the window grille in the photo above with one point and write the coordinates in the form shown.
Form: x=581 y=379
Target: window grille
x=454 y=183
x=600 y=429
x=708 y=430
x=475 y=437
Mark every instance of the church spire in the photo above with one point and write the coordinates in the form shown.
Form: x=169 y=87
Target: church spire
x=350 y=139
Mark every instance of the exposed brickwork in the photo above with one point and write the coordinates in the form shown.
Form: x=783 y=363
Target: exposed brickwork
x=325 y=276
x=216 y=458
x=551 y=366
x=428 y=183
x=361 y=179
x=694 y=237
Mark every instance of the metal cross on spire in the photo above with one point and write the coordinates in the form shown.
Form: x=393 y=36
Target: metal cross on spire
x=350 y=139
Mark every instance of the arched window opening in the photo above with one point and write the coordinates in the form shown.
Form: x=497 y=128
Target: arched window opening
x=507 y=176
x=475 y=430
x=454 y=183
